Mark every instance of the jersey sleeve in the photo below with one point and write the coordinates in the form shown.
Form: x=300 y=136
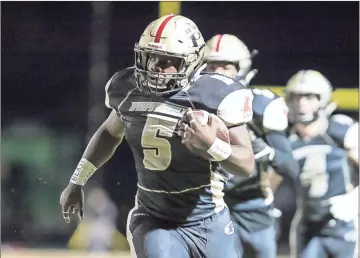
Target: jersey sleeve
x=108 y=91
x=118 y=87
x=275 y=117
x=236 y=107
x=224 y=97
x=344 y=131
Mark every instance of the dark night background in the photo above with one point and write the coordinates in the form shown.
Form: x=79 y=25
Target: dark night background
x=45 y=76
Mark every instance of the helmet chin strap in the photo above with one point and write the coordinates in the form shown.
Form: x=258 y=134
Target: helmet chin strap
x=245 y=79
x=199 y=70
x=311 y=130
x=250 y=76
x=318 y=115
x=308 y=118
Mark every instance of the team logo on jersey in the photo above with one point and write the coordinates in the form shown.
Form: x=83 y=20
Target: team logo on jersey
x=229 y=228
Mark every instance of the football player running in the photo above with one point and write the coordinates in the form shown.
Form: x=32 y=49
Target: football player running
x=250 y=199
x=323 y=145
x=179 y=209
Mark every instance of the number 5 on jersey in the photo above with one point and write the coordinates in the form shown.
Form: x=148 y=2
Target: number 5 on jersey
x=156 y=147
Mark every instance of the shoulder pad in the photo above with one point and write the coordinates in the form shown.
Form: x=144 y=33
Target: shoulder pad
x=118 y=88
x=223 y=96
x=275 y=115
x=343 y=130
x=342 y=119
x=262 y=98
x=264 y=94
x=270 y=110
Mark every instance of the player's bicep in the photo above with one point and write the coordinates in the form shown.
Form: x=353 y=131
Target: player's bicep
x=236 y=108
x=275 y=117
x=114 y=125
x=239 y=135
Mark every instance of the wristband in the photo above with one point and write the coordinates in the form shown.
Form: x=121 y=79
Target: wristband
x=220 y=150
x=83 y=172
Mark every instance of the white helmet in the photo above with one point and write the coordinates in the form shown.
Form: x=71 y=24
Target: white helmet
x=308 y=82
x=171 y=36
x=228 y=48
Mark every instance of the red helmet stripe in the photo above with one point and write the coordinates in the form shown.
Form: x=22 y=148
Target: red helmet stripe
x=162 y=27
x=218 y=42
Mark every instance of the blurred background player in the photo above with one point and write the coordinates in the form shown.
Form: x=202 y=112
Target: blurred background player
x=179 y=209
x=326 y=148
x=250 y=199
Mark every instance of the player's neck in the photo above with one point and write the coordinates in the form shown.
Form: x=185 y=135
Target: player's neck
x=312 y=130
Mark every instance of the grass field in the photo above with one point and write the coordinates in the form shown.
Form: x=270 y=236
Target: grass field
x=38 y=253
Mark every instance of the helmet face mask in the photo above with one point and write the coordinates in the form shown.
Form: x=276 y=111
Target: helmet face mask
x=307 y=94
x=150 y=80
x=165 y=63
x=303 y=107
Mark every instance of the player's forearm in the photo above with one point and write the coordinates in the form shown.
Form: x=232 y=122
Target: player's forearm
x=99 y=150
x=240 y=162
x=101 y=147
x=282 y=160
x=274 y=179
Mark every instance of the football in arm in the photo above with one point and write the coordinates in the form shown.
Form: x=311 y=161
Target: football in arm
x=203 y=118
x=222 y=131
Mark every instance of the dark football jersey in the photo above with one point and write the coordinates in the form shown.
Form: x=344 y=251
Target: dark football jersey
x=174 y=183
x=269 y=114
x=325 y=168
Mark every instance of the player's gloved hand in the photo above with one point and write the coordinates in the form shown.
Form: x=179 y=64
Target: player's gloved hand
x=262 y=151
x=345 y=207
x=197 y=136
x=72 y=201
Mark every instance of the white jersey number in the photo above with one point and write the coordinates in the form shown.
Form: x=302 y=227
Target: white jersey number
x=156 y=148
x=314 y=172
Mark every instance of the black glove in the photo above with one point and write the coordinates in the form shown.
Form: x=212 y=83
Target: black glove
x=262 y=151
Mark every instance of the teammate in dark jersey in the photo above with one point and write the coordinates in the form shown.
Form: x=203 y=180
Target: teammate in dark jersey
x=328 y=205
x=179 y=209
x=250 y=199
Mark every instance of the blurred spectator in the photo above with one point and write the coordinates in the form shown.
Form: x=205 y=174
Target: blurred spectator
x=97 y=232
